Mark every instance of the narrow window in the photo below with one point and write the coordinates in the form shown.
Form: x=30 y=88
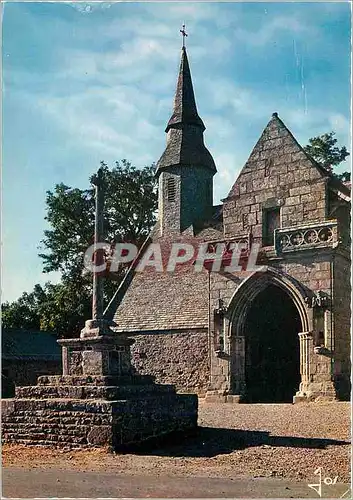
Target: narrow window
x=171 y=189
x=271 y=221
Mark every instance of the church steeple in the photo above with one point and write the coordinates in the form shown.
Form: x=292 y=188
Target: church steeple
x=185 y=144
x=186 y=168
x=185 y=110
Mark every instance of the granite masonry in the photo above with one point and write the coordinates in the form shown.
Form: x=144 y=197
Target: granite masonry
x=262 y=335
x=99 y=400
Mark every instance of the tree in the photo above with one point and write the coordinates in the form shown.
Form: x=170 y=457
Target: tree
x=23 y=313
x=323 y=149
x=65 y=307
x=61 y=308
x=129 y=215
x=130 y=206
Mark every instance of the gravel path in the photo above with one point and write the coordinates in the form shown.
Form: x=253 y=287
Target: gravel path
x=234 y=441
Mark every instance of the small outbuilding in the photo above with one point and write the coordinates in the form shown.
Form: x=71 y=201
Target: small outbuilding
x=27 y=354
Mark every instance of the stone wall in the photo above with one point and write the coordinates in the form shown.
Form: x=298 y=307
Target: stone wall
x=21 y=372
x=311 y=270
x=277 y=174
x=342 y=324
x=196 y=196
x=193 y=198
x=87 y=423
x=169 y=211
x=174 y=358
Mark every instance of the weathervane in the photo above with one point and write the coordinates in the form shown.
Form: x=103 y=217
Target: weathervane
x=183 y=32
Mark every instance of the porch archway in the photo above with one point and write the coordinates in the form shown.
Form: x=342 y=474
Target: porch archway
x=266 y=314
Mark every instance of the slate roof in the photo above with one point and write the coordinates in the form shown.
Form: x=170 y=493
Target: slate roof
x=153 y=301
x=26 y=345
x=185 y=143
x=182 y=149
x=185 y=110
x=164 y=301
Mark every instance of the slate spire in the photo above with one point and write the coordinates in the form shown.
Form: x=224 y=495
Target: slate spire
x=185 y=144
x=185 y=110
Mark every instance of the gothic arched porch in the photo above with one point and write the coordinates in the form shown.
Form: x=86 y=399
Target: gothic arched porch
x=269 y=330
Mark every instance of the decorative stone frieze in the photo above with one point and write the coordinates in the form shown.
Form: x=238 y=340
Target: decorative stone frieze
x=311 y=236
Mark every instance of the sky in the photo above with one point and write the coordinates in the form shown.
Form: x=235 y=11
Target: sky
x=85 y=82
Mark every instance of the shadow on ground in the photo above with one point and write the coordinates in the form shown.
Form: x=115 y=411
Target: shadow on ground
x=209 y=442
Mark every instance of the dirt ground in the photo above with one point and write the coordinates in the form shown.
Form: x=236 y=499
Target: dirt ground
x=279 y=441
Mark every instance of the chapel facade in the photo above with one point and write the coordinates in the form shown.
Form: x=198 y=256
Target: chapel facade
x=273 y=334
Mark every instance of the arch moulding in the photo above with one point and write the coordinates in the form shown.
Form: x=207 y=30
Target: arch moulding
x=253 y=285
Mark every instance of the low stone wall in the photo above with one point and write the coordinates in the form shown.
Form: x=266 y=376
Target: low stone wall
x=80 y=424
x=22 y=372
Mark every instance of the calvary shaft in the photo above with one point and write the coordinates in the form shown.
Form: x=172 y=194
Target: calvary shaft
x=97 y=300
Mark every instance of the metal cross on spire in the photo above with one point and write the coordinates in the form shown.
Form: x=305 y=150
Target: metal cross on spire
x=183 y=32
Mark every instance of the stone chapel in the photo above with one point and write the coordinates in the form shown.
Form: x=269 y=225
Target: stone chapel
x=280 y=334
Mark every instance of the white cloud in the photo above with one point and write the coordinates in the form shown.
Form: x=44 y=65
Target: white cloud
x=217 y=125
x=114 y=121
x=183 y=12
x=89 y=7
x=228 y=169
x=341 y=125
x=273 y=30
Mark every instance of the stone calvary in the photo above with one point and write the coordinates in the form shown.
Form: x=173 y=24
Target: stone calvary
x=99 y=400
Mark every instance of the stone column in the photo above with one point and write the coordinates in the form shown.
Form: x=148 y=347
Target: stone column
x=65 y=358
x=97 y=325
x=238 y=365
x=97 y=301
x=306 y=347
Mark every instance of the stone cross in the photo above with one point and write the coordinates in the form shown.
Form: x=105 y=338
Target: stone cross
x=97 y=301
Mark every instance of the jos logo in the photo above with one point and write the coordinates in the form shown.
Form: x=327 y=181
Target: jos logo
x=328 y=481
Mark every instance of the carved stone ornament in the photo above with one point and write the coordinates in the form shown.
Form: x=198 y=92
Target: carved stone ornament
x=319 y=299
x=222 y=308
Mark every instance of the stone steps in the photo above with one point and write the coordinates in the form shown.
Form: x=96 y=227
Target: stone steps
x=93 y=392
x=96 y=380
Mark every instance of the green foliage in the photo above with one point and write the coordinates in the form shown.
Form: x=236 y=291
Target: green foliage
x=65 y=307
x=324 y=150
x=23 y=313
x=344 y=176
x=129 y=213
x=61 y=308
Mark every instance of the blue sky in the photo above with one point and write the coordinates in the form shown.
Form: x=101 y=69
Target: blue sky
x=87 y=82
